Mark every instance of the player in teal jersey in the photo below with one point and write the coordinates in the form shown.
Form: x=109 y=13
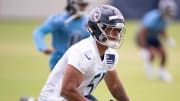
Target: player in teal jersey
x=65 y=28
x=153 y=28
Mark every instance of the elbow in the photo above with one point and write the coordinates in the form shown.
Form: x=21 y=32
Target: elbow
x=35 y=32
x=126 y=98
x=63 y=93
x=39 y=31
x=67 y=91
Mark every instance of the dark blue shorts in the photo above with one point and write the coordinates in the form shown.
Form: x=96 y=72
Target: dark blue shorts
x=151 y=41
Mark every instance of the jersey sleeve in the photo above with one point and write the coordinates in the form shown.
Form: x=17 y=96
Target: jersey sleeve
x=40 y=32
x=147 y=21
x=115 y=63
x=76 y=59
x=150 y=19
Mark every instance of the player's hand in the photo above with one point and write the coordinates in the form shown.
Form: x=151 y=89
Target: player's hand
x=48 y=51
x=171 y=42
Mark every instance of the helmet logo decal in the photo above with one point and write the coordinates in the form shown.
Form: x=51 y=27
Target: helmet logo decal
x=96 y=15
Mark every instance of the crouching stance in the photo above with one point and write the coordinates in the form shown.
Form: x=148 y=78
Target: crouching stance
x=86 y=63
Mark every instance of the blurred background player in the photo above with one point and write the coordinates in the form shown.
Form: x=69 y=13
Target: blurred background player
x=65 y=28
x=153 y=28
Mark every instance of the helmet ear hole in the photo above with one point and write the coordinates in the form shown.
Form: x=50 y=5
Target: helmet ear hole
x=102 y=38
x=93 y=26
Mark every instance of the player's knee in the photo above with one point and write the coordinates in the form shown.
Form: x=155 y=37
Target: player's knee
x=64 y=92
x=163 y=54
x=67 y=91
x=145 y=54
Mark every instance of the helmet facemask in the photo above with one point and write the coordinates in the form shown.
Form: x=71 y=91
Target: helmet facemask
x=112 y=35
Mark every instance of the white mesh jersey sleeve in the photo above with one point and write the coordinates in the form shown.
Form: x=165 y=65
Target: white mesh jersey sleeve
x=77 y=59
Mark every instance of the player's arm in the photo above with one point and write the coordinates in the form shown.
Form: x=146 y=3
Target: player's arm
x=170 y=41
x=164 y=34
x=39 y=35
x=147 y=22
x=115 y=86
x=71 y=81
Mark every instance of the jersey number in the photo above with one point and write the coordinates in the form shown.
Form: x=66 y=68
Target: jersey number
x=95 y=81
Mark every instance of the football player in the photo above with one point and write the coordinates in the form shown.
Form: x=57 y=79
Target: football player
x=86 y=63
x=153 y=28
x=65 y=28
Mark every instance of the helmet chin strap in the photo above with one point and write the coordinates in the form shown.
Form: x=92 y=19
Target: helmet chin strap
x=112 y=44
x=108 y=43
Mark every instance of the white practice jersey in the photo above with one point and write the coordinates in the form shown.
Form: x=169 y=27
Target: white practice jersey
x=85 y=57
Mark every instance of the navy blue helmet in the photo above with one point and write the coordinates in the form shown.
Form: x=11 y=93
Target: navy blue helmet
x=106 y=25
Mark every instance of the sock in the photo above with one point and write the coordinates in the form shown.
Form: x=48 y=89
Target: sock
x=148 y=69
x=147 y=63
x=164 y=75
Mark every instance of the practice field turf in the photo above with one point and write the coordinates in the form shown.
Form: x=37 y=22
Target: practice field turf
x=23 y=70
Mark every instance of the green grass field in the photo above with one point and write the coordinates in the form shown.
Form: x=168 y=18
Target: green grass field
x=23 y=70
